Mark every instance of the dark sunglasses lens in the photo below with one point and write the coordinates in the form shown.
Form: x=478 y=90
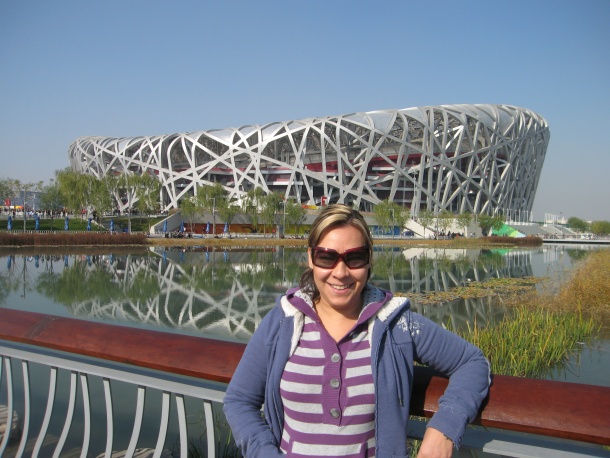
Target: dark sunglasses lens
x=357 y=259
x=325 y=259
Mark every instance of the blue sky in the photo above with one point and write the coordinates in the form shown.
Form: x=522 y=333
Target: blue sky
x=123 y=68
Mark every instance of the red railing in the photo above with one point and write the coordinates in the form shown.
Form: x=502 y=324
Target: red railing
x=555 y=409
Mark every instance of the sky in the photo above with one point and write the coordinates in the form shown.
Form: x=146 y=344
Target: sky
x=124 y=68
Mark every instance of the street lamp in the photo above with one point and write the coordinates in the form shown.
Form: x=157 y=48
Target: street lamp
x=23 y=208
x=213 y=216
x=284 y=222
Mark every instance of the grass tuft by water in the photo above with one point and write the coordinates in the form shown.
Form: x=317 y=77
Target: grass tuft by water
x=527 y=342
x=543 y=328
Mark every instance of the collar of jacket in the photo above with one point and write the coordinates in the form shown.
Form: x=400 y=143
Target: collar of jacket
x=384 y=315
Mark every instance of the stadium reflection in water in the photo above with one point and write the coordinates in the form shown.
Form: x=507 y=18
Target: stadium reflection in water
x=224 y=294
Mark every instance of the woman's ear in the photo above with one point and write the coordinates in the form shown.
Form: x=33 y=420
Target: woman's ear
x=309 y=263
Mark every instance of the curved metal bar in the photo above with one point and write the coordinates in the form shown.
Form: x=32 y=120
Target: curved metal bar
x=26 y=408
x=163 y=426
x=209 y=427
x=87 y=415
x=69 y=415
x=182 y=425
x=137 y=426
x=48 y=411
x=9 y=404
x=109 y=421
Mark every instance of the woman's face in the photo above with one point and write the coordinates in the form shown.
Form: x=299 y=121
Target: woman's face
x=340 y=287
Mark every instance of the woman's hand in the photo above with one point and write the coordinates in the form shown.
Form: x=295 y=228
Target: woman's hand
x=435 y=445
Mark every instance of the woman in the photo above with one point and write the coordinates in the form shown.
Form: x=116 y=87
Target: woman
x=332 y=362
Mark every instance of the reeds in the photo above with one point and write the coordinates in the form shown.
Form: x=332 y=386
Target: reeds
x=542 y=329
x=527 y=342
x=589 y=287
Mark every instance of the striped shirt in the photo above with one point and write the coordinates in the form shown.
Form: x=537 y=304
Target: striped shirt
x=327 y=391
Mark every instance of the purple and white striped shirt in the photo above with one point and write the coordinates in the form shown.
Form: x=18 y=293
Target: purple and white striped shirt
x=327 y=390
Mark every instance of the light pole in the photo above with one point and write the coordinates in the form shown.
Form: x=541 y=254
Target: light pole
x=213 y=216
x=24 y=191
x=283 y=234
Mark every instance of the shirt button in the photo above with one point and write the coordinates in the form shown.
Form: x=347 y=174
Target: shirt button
x=335 y=358
x=334 y=383
x=335 y=413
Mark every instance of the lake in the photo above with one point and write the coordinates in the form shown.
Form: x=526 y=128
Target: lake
x=224 y=294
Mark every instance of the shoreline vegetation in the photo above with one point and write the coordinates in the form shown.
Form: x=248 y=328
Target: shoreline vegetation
x=544 y=326
x=93 y=238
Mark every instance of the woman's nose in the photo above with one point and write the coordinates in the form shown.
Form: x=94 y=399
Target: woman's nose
x=341 y=269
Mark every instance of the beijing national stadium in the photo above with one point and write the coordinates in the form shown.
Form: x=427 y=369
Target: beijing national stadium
x=476 y=158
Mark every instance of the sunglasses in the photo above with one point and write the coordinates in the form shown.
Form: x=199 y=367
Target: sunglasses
x=327 y=258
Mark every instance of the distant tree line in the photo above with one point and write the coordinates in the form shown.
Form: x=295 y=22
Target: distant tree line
x=594 y=227
x=84 y=194
x=266 y=209
x=389 y=214
x=75 y=191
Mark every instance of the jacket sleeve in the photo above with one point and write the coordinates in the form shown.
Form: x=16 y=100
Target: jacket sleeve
x=245 y=397
x=464 y=364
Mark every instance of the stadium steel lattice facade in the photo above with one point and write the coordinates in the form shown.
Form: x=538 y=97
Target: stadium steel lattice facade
x=476 y=158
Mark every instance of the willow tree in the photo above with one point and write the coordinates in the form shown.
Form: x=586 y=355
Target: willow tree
x=487 y=223
x=426 y=217
x=228 y=210
x=51 y=199
x=100 y=198
x=75 y=188
x=252 y=205
x=444 y=220
x=126 y=188
x=148 y=194
x=210 y=198
x=463 y=220
x=189 y=209
x=271 y=206
x=295 y=214
x=389 y=214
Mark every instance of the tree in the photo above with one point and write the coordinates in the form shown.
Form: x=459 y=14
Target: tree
x=388 y=215
x=10 y=188
x=51 y=199
x=600 y=227
x=463 y=220
x=189 y=209
x=383 y=215
x=209 y=199
x=228 y=210
x=7 y=188
x=74 y=188
x=577 y=224
x=295 y=214
x=148 y=194
x=271 y=204
x=425 y=219
x=100 y=198
x=252 y=204
x=487 y=223
x=402 y=216
x=445 y=219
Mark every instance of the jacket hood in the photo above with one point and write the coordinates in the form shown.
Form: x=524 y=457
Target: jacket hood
x=391 y=306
